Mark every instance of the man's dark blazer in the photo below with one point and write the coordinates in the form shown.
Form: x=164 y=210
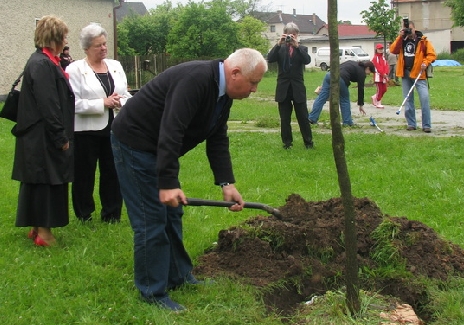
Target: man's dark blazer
x=291 y=71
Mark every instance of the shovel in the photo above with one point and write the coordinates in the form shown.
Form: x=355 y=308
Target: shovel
x=251 y=205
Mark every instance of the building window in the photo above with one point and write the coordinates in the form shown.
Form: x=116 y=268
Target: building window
x=314 y=49
x=273 y=29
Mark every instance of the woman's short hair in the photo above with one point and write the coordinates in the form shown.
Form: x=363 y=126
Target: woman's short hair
x=291 y=28
x=50 y=32
x=247 y=59
x=89 y=32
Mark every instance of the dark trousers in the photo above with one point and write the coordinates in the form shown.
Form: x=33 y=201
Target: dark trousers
x=90 y=149
x=301 y=111
x=160 y=259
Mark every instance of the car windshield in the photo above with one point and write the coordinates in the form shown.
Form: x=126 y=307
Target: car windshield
x=359 y=51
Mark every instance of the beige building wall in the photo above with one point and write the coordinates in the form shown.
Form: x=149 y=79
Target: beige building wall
x=432 y=18
x=427 y=15
x=18 y=25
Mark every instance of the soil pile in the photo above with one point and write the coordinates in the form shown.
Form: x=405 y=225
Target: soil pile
x=307 y=245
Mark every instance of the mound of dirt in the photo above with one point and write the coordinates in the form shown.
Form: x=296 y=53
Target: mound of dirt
x=307 y=244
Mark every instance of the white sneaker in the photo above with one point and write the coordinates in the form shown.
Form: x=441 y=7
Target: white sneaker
x=379 y=105
x=374 y=100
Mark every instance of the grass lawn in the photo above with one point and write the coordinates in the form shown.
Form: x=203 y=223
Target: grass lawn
x=88 y=278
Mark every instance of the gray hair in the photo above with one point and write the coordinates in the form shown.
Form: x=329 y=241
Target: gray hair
x=291 y=28
x=247 y=59
x=89 y=32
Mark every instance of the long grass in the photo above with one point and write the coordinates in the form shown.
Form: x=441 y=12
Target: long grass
x=88 y=277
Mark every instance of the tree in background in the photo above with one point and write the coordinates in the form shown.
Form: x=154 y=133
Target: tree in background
x=140 y=35
x=203 y=32
x=381 y=19
x=196 y=30
x=457 y=12
x=249 y=34
x=239 y=9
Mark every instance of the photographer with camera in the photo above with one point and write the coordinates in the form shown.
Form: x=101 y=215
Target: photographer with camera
x=415 y=53
x=290 y=90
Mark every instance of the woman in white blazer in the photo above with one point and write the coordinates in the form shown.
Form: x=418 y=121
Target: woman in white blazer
x=100 y=89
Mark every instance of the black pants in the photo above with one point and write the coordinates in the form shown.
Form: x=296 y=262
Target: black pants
x=90 y=149
x=301 y=111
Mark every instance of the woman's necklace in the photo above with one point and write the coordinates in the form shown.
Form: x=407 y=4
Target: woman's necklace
x=106 y=83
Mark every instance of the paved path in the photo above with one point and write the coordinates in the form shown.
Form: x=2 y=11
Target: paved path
x=444 y=123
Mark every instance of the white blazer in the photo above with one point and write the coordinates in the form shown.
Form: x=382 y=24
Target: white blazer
x=91 y=113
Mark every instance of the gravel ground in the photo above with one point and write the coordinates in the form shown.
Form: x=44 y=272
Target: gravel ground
x=444 y=123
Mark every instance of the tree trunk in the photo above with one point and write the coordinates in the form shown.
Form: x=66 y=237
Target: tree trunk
x=338 y=147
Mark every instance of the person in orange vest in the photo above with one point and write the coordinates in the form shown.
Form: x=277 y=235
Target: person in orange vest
x=415 y=53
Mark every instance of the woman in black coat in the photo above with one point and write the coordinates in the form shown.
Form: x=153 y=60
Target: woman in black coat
x=43 y=161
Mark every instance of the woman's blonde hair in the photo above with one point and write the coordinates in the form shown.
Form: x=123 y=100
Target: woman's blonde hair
x=50 y=32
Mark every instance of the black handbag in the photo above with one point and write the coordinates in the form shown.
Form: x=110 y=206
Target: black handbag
x=10 y=108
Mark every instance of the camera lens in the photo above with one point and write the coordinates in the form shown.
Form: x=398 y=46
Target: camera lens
x=288 y=38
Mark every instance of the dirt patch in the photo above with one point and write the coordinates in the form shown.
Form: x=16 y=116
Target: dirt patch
x=302 y=255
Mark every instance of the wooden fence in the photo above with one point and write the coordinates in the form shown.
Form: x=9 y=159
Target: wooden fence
x=142 y=68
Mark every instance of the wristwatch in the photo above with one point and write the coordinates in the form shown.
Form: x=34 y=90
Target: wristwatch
x=223 y=184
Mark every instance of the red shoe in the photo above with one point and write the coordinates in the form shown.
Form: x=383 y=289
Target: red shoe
x=39 y=241
x=32 y=234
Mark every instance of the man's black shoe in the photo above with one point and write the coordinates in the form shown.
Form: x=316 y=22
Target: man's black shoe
x=287 y=146
x=309 y=146
x=165 y=303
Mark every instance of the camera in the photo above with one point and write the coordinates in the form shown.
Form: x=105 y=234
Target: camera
x=406 y=29
x=288 y=39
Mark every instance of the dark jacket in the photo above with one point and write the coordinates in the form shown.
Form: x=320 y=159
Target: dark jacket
x=291 y=71
x=351 y=71
x=45 y=123
x=172 y=114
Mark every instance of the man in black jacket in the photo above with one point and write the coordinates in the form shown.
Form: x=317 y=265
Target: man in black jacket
x=291 y=58
x=170 y=115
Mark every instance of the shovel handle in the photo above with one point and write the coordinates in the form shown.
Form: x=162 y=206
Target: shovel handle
x=226 y=204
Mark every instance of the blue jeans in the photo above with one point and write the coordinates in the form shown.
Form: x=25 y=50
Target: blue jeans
x=345 y=105
x=160 y=259
x=409 y=108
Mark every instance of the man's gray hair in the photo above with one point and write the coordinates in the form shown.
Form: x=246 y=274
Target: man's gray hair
x=247 y=59
x=89 y=32
x=291 y=28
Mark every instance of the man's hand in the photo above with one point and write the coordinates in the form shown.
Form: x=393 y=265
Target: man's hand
x=65 y=146
x=172 y=197
x=230 y=193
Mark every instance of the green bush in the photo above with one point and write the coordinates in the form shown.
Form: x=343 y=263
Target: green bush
x=458 y=56
x=444 y=56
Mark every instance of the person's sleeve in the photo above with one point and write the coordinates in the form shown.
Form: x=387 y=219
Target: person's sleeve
x=123 y=78
x=273 y=54
x=430 y=55
x=303 y=50
x=180 y=107
x=45 y=90
x=217 y=151
x=395 y=47
x=361 y=81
